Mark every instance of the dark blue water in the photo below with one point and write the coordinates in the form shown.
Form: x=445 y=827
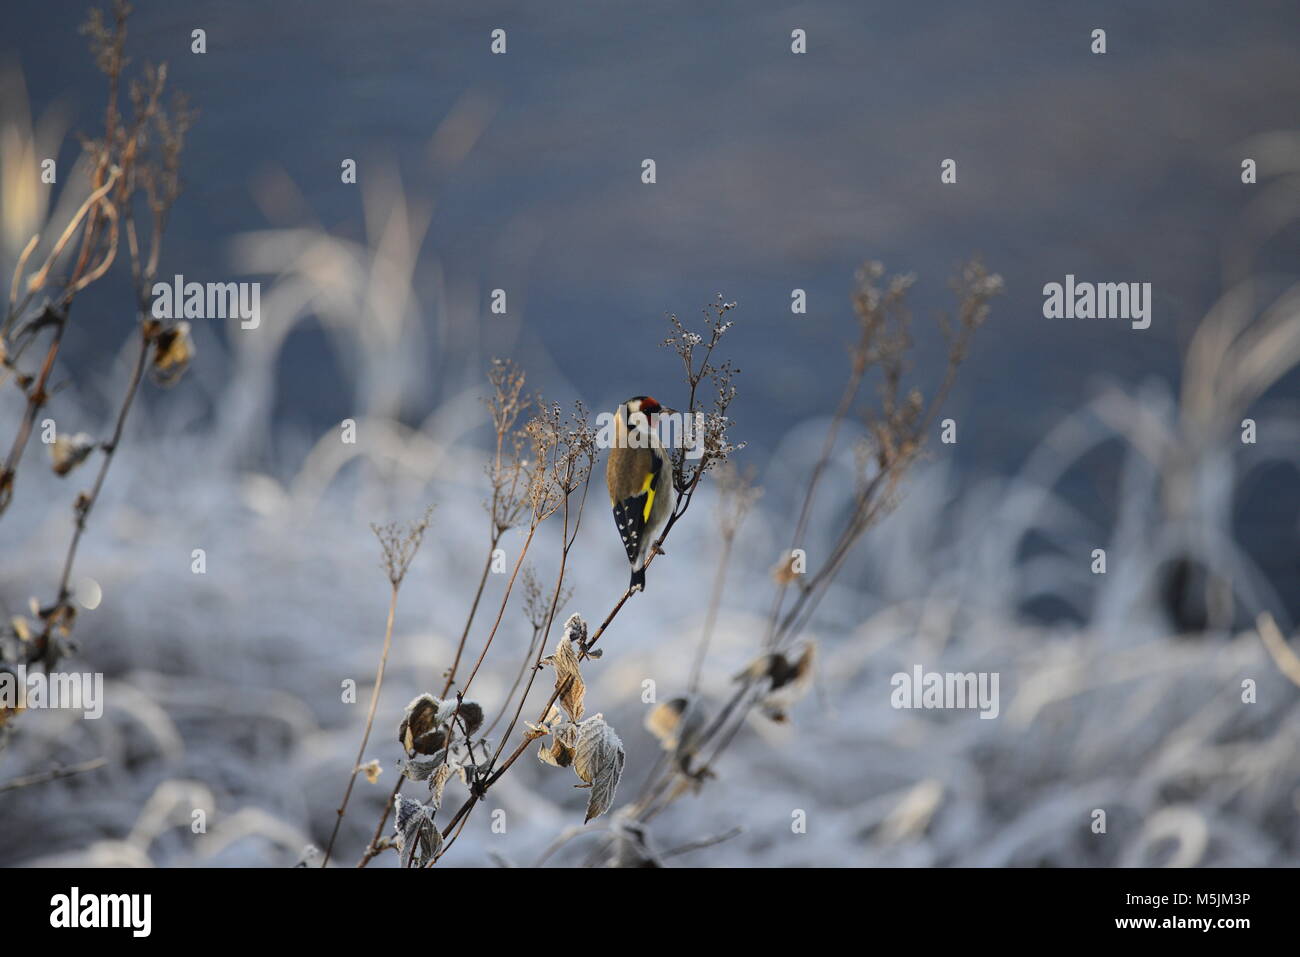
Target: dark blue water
x=775 y=171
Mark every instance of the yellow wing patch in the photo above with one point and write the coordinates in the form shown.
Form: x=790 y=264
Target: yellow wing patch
x=650 y=496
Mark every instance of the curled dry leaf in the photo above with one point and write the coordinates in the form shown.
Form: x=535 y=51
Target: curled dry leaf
x=555 y=754
x=568 y=676
x=420 y=731
x=559 y=752
x=598 y=760
x=372 y=770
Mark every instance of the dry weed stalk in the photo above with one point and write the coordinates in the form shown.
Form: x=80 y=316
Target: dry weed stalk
x=696 y=353
x=508 y=478
x=555 y=480
x=398 y=546
x=536 y=473
x=736 y=496
x=897 y=427
x=138 y=156
x=562 y=464
x=564 y=454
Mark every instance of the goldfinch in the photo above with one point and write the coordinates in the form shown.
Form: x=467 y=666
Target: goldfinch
x=640 y=478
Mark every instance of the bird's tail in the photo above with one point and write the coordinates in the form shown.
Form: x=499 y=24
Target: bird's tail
x=638 y=579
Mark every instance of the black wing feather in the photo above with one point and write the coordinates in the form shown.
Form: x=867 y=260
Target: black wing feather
x=629 y=514
x=629 y=517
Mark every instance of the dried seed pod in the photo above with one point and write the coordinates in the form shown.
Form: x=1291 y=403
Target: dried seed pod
x=676 y=724
x=420 y=731
x=173 y=350
x=67 y=452
x=471 y=715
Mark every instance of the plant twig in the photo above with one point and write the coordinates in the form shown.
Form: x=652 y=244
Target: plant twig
x=53 y=774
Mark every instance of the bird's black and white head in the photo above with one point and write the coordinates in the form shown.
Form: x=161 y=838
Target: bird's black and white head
x=638 y=413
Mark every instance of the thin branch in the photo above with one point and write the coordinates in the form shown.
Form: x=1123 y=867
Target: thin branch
x=703 y=843
x=53 y=774
x=370 y=720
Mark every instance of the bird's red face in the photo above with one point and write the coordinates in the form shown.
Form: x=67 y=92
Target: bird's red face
x=644 y=404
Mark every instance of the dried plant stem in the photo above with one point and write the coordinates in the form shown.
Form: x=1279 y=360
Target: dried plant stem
x=501 y=611
x=481 y=789
x=473 y=610
x=534 y=648
x=899 y=430
x=36 y=397
x=370 y=719
x=375 y=847
x=847 y=399
x=87 y=503
x=711 y=616
x=569 y=835
x=57 y=314
x=92 y=206
x=54 y=774
x=702 y=843
x=567 y=541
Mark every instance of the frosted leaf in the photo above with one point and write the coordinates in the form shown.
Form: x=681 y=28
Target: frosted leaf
x=437 y=783
x=310 y=854
x=575 y=629
x=471 y=715
x=420 y=768
x=566 y=733
x=598 y=760
x=418 y=838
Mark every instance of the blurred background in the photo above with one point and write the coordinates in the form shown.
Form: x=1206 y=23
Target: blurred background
x=774 y=172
